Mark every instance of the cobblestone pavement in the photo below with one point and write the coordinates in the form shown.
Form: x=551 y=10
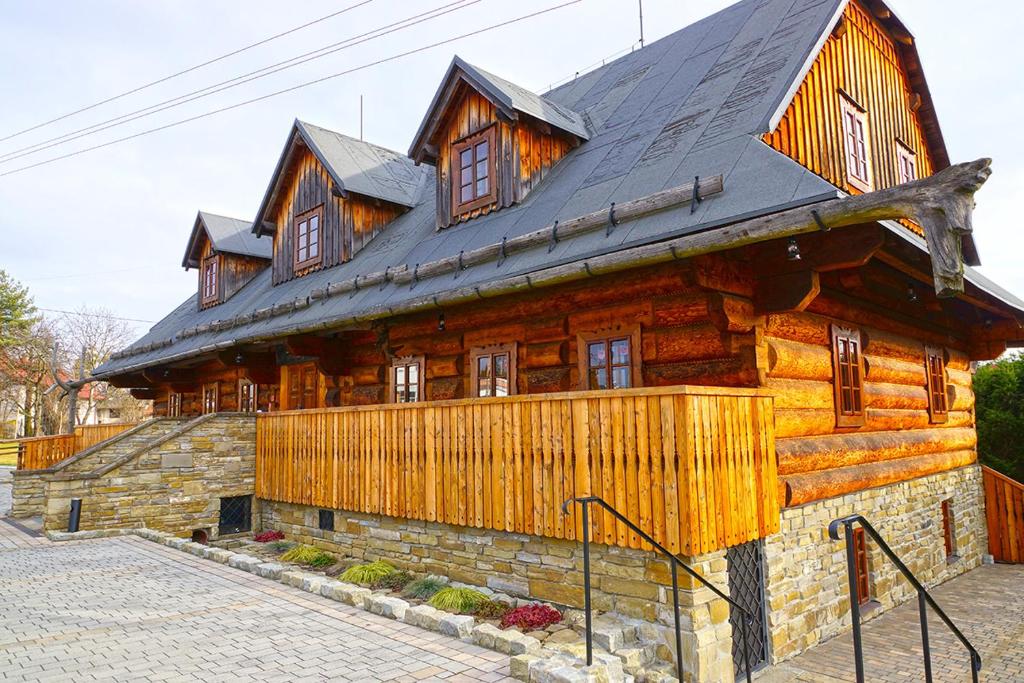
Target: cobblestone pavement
x=129 y=609
x=987 y=604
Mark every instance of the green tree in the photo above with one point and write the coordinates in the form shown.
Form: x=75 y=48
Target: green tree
x=17 y=312
x=999 y=402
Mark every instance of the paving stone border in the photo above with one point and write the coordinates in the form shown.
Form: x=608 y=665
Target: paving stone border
x=530 y=660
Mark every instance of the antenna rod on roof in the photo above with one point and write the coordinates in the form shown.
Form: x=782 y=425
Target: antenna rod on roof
x=641 y=4
x=360 y=118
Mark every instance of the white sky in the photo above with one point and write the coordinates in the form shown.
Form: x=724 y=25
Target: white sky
x=108 y=228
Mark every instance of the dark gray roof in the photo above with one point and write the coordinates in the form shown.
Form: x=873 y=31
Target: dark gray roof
x=507 y=96
x=692 y=104
x=228 y=235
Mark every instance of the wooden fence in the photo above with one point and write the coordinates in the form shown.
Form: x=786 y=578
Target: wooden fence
x=1004 y=512
x=694 y=467
x=41 y=452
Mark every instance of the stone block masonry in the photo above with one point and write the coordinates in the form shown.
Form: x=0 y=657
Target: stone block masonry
x=175 y=485
x=28 y=493
x=633 y=583
x=807 y=589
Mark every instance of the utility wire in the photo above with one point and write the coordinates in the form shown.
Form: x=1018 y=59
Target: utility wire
x=213 y=112
x=97 y=272
x=352 y=41
x=188 y=70
x=94 y=315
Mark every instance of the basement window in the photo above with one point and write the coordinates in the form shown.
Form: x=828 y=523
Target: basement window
x=326 y=520
x=848 y=373
x=935 y=368
x=855 y=139
x=949 y=529
x=235 y=515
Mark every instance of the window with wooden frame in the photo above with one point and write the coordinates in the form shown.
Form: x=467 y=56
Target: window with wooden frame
x=473 y=172
x=906 y=163
x=609 y=359
x=493 y=370
x=848 y=377
x=406 y=379
x=211 y=398
x=303 y=381
x=856 y=143
x=174 y=404
x=248 y=393
x=935 y=369
x=949 y=529
x=210 y=277
x=860 y=555
x=307 y=238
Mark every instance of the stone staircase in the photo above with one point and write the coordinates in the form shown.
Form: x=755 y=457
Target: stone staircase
x=641 y=647
x=110 y=450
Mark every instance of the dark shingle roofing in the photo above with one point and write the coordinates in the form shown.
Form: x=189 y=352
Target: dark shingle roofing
x=228 y=235
x=692 y=104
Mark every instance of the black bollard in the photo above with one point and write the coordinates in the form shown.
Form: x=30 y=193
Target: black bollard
x=76 y=513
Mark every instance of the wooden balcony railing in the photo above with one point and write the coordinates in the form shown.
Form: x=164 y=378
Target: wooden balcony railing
x=1004 y=514
x=41 y=452
x=693 y=466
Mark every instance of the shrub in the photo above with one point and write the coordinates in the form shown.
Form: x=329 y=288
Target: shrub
x=461 y=600
x=282 y=546
x=395 y=581
x=366 y=574
x=531 y=617
x=492 y=609
x=308 y=555
x=268 y=536
x=424 y=588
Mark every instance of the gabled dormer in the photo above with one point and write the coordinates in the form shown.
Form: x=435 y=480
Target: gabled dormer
x=330 y=194
x=491 y=141
x=227 y=255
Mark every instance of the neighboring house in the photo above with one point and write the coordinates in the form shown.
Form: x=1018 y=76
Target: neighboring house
x=580 y=240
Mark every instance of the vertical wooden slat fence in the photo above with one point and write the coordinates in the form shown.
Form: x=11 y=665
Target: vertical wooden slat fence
x=41 y=452
x=693 y=466
x=1004 y=513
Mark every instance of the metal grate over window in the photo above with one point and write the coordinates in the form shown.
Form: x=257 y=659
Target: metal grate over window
x=746 y=587
x=235 y=515
x=327 y=520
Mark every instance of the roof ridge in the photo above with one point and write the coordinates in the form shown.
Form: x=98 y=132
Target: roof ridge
x=353 y=138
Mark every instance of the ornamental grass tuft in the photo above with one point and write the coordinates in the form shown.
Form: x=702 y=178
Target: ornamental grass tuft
x=309 y=556
x=366 y=574
x=395 y=581
x=282 y=546
x=492 y=609
x=460 y=600
x=424 y=588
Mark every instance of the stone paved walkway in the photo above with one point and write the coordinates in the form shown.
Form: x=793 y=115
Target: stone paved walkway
x=129 y=609
x=988 y=606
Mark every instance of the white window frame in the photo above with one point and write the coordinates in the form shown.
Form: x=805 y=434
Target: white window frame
x=853 y=117
x=905 y=158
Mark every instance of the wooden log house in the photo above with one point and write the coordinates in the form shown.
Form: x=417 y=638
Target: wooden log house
x=725 y=282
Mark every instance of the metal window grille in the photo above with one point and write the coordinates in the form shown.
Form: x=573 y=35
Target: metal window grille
x=235 y=515
x=327 y=520
x=746 y=587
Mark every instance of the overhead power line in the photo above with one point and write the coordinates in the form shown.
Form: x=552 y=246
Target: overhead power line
x=263 y=72
x=94 y=315
x=306 y=84
x=188 y=70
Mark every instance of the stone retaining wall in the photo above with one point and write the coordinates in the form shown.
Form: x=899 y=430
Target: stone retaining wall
x=28 y=493
x=174 y=486
x=633 y=583
x=808 y=592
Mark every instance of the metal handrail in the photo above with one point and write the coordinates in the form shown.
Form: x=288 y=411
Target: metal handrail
x=924 y=598
x=747 y=617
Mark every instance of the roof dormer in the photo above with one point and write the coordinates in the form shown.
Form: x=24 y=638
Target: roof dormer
x=491 y=141
x=227 y=255
x=330 y=194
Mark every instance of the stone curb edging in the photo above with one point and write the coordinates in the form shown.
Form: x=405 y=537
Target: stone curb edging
x=530 y=661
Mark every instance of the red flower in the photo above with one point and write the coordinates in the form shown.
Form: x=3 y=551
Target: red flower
x=531 y=617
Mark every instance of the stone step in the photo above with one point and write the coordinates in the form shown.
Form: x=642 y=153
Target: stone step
x=121 y=447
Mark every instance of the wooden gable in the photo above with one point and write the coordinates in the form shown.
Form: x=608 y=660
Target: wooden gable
x=233 y=271
x=864 y=64
x=345 y=223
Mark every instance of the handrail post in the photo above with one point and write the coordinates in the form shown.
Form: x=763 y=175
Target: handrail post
x=922 y=606
x=745 y=620
x=586 y=582
x=675 y=613
x=851 y=573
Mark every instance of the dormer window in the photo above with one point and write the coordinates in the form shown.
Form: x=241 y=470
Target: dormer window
x=473 y=171
x=307 y=238
x=858 y=151
x=210 y=274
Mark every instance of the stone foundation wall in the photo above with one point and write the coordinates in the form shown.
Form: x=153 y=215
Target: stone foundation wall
x=634 y=583
x=175 y=486
x=28 y=493
x=808 y=592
